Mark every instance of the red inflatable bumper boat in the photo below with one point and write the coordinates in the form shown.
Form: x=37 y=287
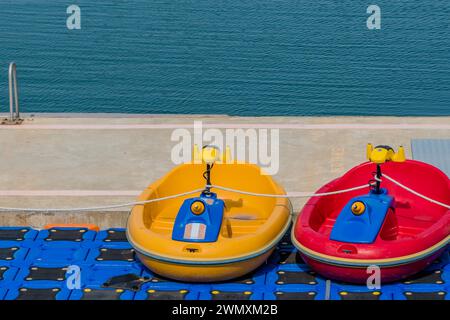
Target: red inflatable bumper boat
x=400 y=223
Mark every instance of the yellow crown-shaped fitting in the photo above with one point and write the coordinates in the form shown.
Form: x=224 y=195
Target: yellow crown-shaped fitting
x=381 y=154
x=211 y=154
x=400 y=155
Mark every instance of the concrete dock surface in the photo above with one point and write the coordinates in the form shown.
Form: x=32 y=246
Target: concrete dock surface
x=66 y=161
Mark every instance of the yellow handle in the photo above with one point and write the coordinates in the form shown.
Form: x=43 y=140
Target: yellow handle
x=358 y=208
x=197 y=207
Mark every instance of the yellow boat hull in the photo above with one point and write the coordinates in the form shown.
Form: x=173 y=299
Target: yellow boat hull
x=251 y=225
x=208 y=273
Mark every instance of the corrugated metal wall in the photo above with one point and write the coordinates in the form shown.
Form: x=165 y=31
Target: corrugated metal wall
x=433 y=151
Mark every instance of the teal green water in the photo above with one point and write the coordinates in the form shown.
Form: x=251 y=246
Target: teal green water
x=240 y=57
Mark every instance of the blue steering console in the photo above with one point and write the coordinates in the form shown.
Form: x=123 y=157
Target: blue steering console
x=199 y=219
x=361 y=219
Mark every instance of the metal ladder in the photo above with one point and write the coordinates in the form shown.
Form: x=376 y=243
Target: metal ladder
x=14 y=114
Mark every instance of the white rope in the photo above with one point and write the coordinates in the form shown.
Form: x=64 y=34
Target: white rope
x=415 y=192
x=135 y=203
x=300 y=195
x=128 y=204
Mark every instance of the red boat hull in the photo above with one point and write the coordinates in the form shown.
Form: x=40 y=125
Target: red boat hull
x=413 y=234
x=361 y=275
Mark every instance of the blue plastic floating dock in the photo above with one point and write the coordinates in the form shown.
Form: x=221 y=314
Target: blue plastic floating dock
x=39 y=264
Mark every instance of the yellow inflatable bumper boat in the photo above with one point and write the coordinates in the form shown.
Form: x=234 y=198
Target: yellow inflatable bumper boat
x=208 y=236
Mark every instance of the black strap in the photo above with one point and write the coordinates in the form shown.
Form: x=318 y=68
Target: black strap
x=290 y=277
x=108 y=254
x=51 y=274
x=7 y=253
x=115 y=236
x=280 y=295
x=166 y=295
x=37 y=294
x=375 y=295
x=438 y=295
x=99 y=294
x=13 y=234
x=3 y=269
x=426 y=277
x=229 y=295
x=66 y=234
x=128 y=281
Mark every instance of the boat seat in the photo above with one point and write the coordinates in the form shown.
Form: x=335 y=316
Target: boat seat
x=426 y=219
x=163 y=225
x=235 y=224
x=406 y=232
x=244 y=216
x=236 y=227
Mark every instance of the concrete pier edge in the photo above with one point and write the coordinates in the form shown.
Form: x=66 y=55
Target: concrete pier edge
x=95 y=153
